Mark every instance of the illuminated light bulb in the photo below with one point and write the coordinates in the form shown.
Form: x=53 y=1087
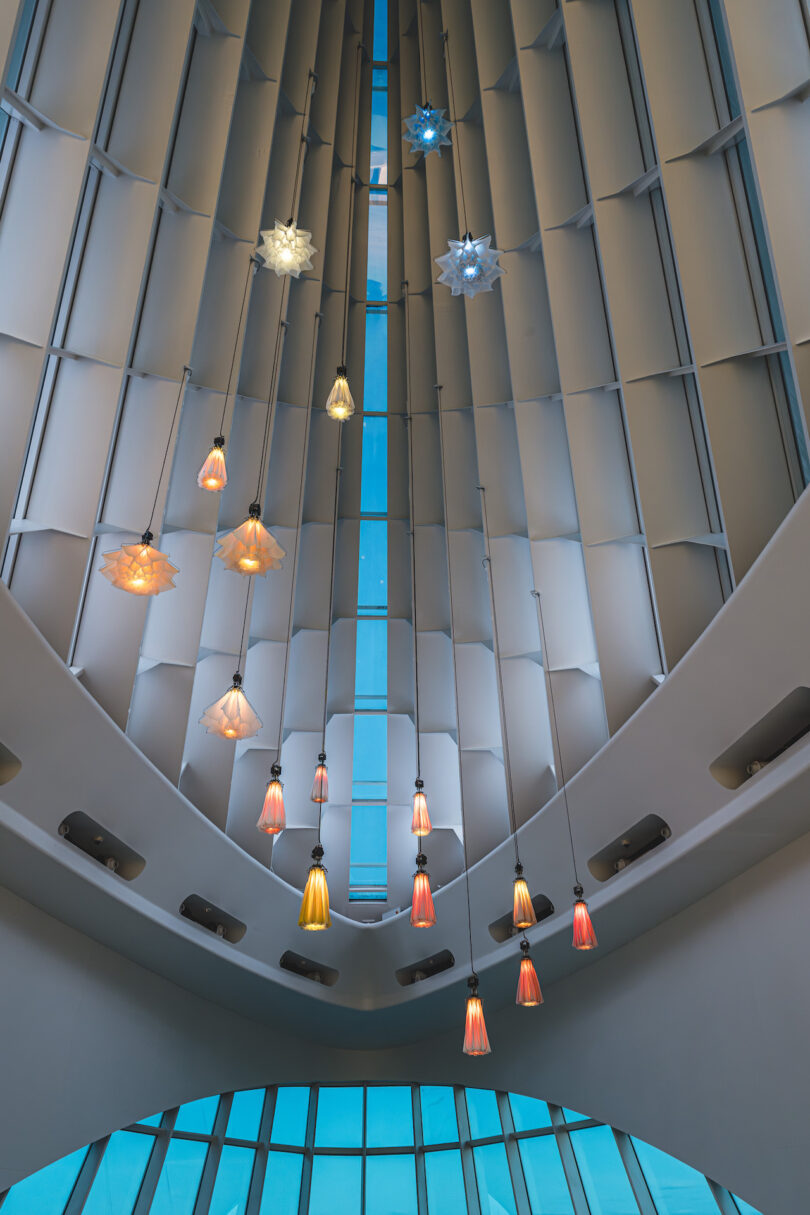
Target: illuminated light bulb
x=420 y=823
x=315 y=903
x=470 y=266
x=272 y=819
x=232 y=716
x=529 y=994
x=476 y=1041
x=584 y=935
x=213 y=475
x=340 y=403
x=426 y=130
x=250 y=548
x=320 y=785
x=423 y=913
x=139 y=569
x=286 y=248
x=522 y=910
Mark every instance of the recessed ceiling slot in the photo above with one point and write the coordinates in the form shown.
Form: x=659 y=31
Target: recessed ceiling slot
x=503 y=928
x=316 y=972
x=426 y=969
x=96 y=841
x=786 y=723
x=9 y=765
x=632 y=844
x=209 y=916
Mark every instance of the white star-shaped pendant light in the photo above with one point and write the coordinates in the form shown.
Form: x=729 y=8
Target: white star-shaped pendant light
x=286 y=248
x=470 y=266
x=427 y=130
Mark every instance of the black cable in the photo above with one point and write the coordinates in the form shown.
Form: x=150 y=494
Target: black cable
x=563 y=782
x=280 y=329
x=457 y=126
x=183 y=382
x=352 y=187
x=244 y=626
x=311 y=77
x=338 y=471
x=421 y=34
x=411 y=500
x=253 y=266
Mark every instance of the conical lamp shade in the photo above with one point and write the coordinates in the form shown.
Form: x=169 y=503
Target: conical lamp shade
x=213 y=475
x=423 y=913
x=272 y=819
x=522 y=910
x=476 y=1041
x=420 y=823
x=584 y=935
x=320 y=785
x=529 y=994
x=250 y=549
x=232 y=716
x=139 y=568
x=340 y=403
x=315 y=903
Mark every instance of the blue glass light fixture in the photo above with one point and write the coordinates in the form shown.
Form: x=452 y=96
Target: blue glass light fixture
x=470 y=266
x=427 y=130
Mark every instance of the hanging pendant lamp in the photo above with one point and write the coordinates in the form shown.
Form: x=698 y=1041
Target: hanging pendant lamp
x=314 y=914
x=232 y=716
x=340 y=402
x=320 y=785
x=420 y=823
x=250 y=548
x=423 y=913
x=272 y=819
x=476 y=1041
x=584 y=935
x=426 y=129
x=470 y=265
x=523 y=915
x=140 y=569
x=286 y=248
x=529 y=994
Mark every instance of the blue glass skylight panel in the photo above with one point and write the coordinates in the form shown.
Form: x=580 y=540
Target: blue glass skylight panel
x=179 y=1182
x=47 y=1190
x=377 y=286
x=233 y=1181
x=528 y=1114
x=439 y=1124
x=198 y=1116
x=677 y=1189
x=370 y=759
x=368 y=858
x=372 y=577
x=603 y=1175
x=482 y=1110
x=445 y=1183
x=380 y=44
x=545 y=1177
x=389 y=1117
x=282 y=1184
x=290 y=1116
x=379 y=127
x=494 y=1183
x=339 y=1123
x=371 y=684
x=245 y=1115
x=120 y=1174
x=390 y=1185
x=374 y=469
x=375 y=380
x=336 y=1185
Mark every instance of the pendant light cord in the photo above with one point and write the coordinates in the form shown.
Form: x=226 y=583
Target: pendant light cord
x=244 y=626
x=457 y=125
x=338 y=471
x=412 y=512
x=438 y=388
x=352 y=188
x=420 y=28
x=184 y=380
x=300 y=514
x=496 y=645
x=563 y=782
x=253 y=266
x=312 y=81
x=274 y=375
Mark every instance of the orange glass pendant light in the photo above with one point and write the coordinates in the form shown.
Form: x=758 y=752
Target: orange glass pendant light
x=420 y=823
x=423 y=913
x=522 y=910
x=584 y=935
x=315 y=903
x=320 y=785
x=272 y=819
x=213 y=475
x=476 y=1041
x=250 y=548
x=139 y=569
x=529 y=994
x=232 y=716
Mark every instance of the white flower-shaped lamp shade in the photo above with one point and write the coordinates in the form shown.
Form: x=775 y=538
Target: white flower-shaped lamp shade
x=286 y=248
x=250 y=548
x=340 y=403
x=232 y=716
x=427 y=130
x=470 y=266
x=139 y=569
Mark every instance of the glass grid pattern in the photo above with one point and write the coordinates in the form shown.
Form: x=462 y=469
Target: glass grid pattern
x=381 y=1150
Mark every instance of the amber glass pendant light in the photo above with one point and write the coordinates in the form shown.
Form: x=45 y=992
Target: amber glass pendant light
x=314 y=914
x=476 y=1041
x=140 y=569
x=423 y=913
x=420 y=823
x=250 y=548
x=272 y=819
x=522 y=910
x=529 y=994
x=320 y=785
x=584 y=935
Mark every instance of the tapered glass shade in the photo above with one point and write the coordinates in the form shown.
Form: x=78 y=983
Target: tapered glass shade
x=522 y=911
x=139 y=569
x=476 y=1041
x=250 y=549
x=420 y=823
x=340 y=403
x=528 y=989
x=320 y=785
x=213 y=475
x=272 y=819
x=286 y=248
x=315 y=903
x=584 y=935
x=423 y=913
x=232 y=716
